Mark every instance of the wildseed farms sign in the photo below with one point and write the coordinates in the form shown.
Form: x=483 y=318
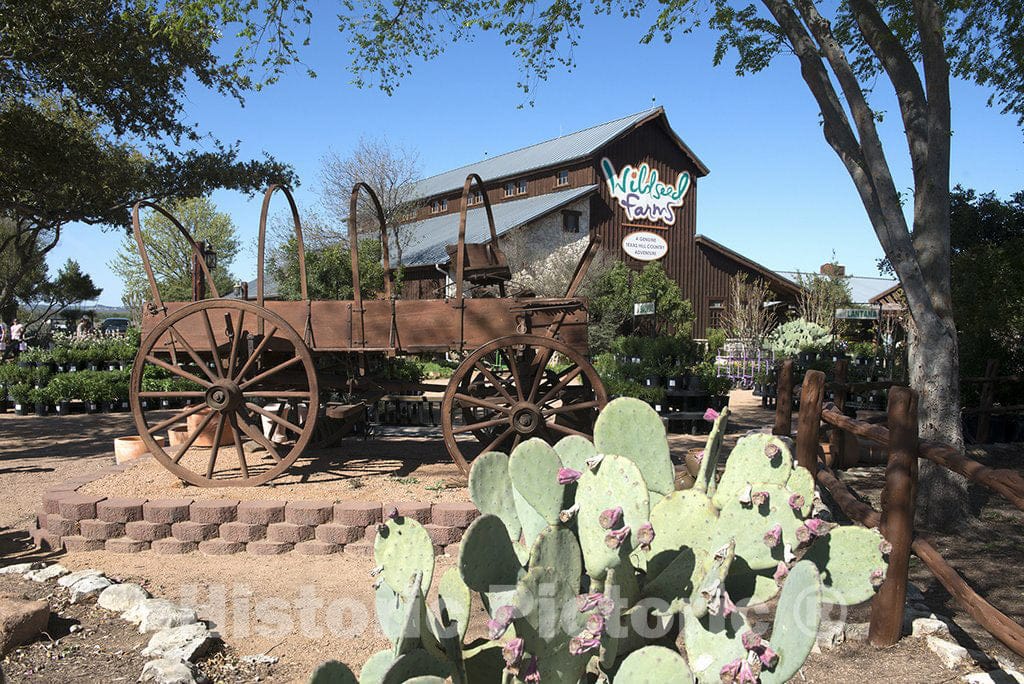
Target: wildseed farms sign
x=642 y=195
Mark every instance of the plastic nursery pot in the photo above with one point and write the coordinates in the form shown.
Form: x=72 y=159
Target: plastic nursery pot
x=40 y=409
x=63 y=408
x=652 y=381
x=131 y=448
x=92 y=407
x=19 y=409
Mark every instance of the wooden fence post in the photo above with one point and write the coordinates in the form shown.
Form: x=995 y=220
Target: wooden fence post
x=988 y=394
x=784 y=401
x=836 y=438
x=897 y=520
x=809 y=420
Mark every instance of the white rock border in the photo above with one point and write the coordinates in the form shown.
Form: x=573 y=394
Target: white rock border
x=160 y=616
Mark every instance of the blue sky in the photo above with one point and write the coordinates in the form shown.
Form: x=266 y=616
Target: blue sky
x=776 y=193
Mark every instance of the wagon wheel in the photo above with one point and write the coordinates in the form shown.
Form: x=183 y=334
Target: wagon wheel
x=250 y=398
x=503 y=398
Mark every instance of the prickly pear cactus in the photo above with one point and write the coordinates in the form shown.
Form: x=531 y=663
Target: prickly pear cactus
x=580 y=543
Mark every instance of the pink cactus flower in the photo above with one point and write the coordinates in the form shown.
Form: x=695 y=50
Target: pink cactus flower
x=796 y=502
x=780 y=572
x=773 y=536
x=615 y=538
x=746 y=674
x=645 y=535
x=885 y=547
x=568 y=475
x=772 y=450
x=767 y=656
x=502 y=619
x=579 y=645
x=728 y=607
x=877 y=577
x=730 y=671
x=595 y=623
x=585 y=602
x=711 y=415
x=699 y=456
x=513 y=652
x=392 y=513
x=610 y=518
x=759 y=498
x=605 y=606
x=751 y=640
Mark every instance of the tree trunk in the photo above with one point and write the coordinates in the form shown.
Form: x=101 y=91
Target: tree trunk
x=934 y=366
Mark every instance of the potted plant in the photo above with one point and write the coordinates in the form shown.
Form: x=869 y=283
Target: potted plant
x=91 y=392
x=38 y=399
x=62 y=390
x=19 y=395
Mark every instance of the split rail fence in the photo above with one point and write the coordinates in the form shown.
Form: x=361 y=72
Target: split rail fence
x=903 y=447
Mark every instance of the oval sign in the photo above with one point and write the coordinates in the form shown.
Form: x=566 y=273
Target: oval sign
x=645 y=246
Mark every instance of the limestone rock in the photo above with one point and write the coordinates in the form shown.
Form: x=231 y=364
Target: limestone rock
x=925 y=626
x=856 y=631
x=830 y=635
x=187 y=642
x=994 y=677
x=68 y=580
x=20 y=568
x=48 y=573
x=167 y=671
x=121 y=598
x=952 y=655
x=155 y=614
x=89 y=586
x=20 y=621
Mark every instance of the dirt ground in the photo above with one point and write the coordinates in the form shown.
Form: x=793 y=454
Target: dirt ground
x=308 y=610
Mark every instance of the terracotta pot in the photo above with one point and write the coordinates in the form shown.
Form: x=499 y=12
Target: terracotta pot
x=131 y=448
x=205 y=439
x=684 y=480
x=177 y=434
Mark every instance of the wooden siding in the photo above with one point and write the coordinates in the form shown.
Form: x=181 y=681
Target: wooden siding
x=540 y=182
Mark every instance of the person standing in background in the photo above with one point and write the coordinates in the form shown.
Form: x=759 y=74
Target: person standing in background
x=17 y=337
x=5 y=339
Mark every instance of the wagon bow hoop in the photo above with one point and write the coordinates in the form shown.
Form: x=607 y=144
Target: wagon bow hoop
x=137 y=231
x=297 y=224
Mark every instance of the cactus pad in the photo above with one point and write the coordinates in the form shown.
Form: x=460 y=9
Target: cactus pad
x=533 y=467
x=681 y=520
x=376 y=667
x=486 y=557
x=333 y=672
x=403 y=548
x=629 y=427
x=617 y=483
x=802 y=483
x=556 y=547
x=846 y=557
x=796 y=622
x=453 y=601
x=705 y=478
x=490 y=488
x=749 y=523
x=711 y=642
x=653 y=665
x=417 y=663
x=750 y=463
x=574 y=451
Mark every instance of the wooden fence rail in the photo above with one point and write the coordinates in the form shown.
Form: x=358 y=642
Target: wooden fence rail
x=896 y=519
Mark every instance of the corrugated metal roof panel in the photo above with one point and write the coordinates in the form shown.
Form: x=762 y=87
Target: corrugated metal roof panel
x=862 y=288
x=429 y=236
x=550 y=152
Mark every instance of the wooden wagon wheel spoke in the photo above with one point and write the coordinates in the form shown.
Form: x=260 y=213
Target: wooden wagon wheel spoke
x=190 y=411
x=542 y=364
x=481 y=425
x=274 y=417
x=566 y=430
x=498 y=385
x=569 y=377
x=213 y=344
x=180 y=372
x=256 y=435
x=270 y=371
x=190 y=350
x=255 y=354
x=482 y=403
x=241 y=404
x=233 y=354
x=239 y=447
x=572 y=408
x=513 y=366
x=187 y=444
x=501 y=438
x=218 y=433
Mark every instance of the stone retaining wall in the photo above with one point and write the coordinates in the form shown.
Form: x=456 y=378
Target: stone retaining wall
x=82 y=522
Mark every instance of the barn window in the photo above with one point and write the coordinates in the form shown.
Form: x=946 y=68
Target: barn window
x=563 y=177
x=435 y=207
x=475 y=197
x=521 y=187
x=510 y=189
x=570 y=221
x=716 y=307
x=444 y=205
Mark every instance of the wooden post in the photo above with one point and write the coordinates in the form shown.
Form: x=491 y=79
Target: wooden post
x=836 y=438
x=897 y=522
x=988 y=392
x=809 y=420
x=784 y=401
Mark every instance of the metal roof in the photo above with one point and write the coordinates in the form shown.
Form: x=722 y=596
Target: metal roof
x=862 y=288
x=559 y=150
x=430 y=236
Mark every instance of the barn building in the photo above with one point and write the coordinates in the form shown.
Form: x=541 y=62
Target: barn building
x=632 y=181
